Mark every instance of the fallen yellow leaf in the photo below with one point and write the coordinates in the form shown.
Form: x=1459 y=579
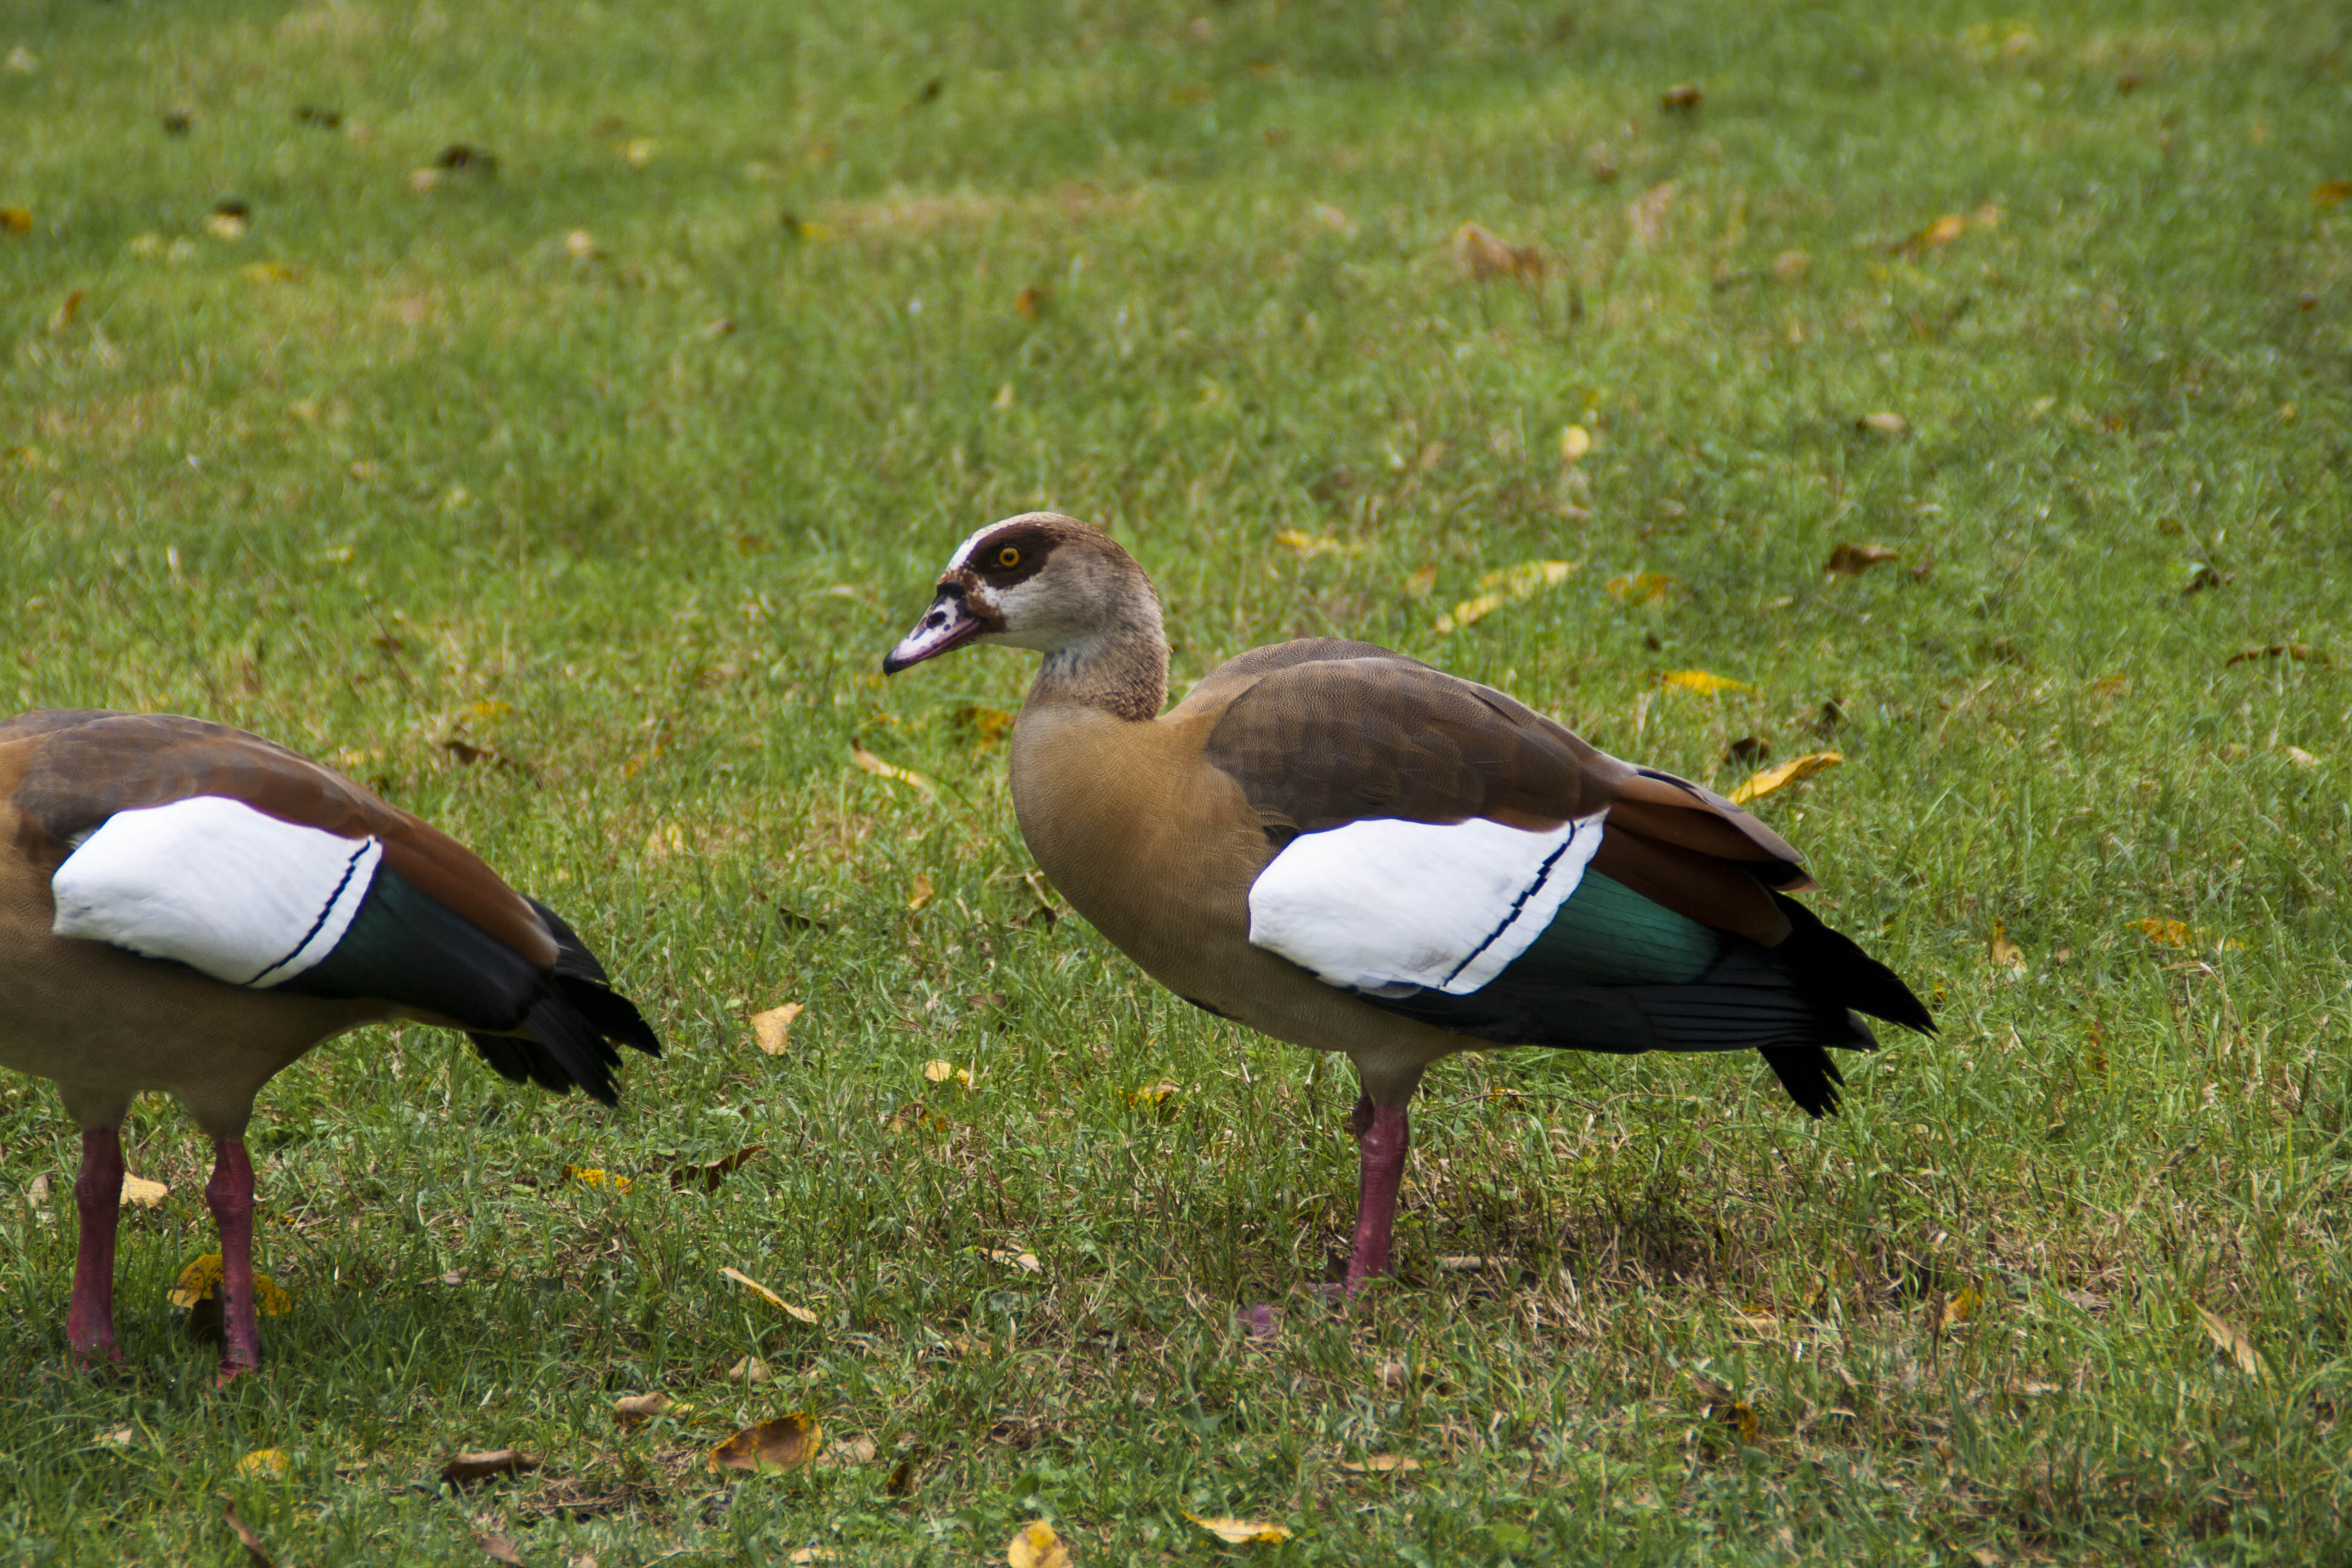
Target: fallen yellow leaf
x=1641 y=588
x=991 y=724
x=1238 y=1531
x=1575 y=440
x=200 y=1281
x=882 y=770
x=770 y=1028
x=263 y=1462
x=2164 y=932
x=1782 y=774
x=801 y=1314
x=1154 y=1094
x=138 y=1192
x=1503 y=586
x=785 y=1444
x=1960 y=1307
x=1704 y=683
x=942 y=1072
x=271 y=272
x=2331 y=192
x=1885 y=422
x=230 y=226
x=1036 y=1547
x=16 y=220
x=1380 y=1464
x=1025 y=1261
x=634 y=1408
x=919 y=893
x=2233 y=1341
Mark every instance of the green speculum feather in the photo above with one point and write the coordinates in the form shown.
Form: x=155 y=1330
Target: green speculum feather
x=1608 y=934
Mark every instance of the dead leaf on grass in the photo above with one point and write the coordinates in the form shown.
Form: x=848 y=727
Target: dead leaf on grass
x=1037 y=1547
x=139 y=1193
x=785 y=1444
x=269 y=1462
x=815 y=1554
x=1024 y=1261
x=2294 y=650
x=2165 y=932
x=800 y=1314
x=1484 y=254
x=1722 y=1403
x=200 y=1281
x=1684 y=96
x=2330 y=192
x=770 y=1029
x=16 y=220
x=483 y=1463
x=500 y=1549
x=2233 y=1341
x=937 y=1071
x=1642 y=589
x=882 y=770
x=849 y=1451
x=1885 y=422
x=750 y=1369
x=2003 y=953
x=1780 y=775
x=251 y=1542
x=1646 y=214
x=1506 y=585
x=1240 y=1530
x=1853 y=559
x=1701 y=681
x=1032 y=300
x=635 y=1409
x=919 y=893
x=709 y=1173
x=1575 y=441
x=1380 y=1464
x=991 y=724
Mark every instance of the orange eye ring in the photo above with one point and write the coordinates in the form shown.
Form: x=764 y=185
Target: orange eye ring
x=1008 y=557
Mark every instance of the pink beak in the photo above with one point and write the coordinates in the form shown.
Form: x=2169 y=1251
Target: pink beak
x=947 y=624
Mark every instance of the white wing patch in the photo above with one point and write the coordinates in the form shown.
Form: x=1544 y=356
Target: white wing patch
x=1386 y=905
x=217 y=886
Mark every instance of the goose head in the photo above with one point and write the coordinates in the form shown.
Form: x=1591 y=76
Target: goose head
x=1038 y=581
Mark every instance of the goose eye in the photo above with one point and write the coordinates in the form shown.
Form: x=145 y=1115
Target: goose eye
x=1008 y=557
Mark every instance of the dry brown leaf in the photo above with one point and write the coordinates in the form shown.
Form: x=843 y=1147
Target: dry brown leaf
x=1646 y=214
x=16 y=220
x=882 y=770
x=751 y=1370
x=2233 y=1341
x=2294 y=650
x=1032 y=300
x=481 y=1464
x=770 y=1028
x=801 y=1314
x=1683 y=94
x=1037 y=1547
x=251 y=1542
x=1702 y=682
x=500 y=1549
x=1885 y=422
x=1380 y=1464
x=1853 y=559
x=785 y=1444
x=849 y=1451
x=2299 y=757
x=815 y=1554
x=138 y=1192
x=1024 y=1261
x=1239 y=1530
x=1483 y=254
x=2329 y=192
x=634 y=1409
x=919 y=893
x=709 y=1173
x=1791 y=266
x=2004 y=952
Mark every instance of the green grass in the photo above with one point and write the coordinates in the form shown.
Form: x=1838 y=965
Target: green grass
x=404 y=477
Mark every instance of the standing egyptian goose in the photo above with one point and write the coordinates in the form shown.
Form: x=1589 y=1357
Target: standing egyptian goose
x=189 y=909
x=1345 y=848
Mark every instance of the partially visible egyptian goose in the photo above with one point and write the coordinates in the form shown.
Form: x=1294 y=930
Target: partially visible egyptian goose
x=188 y=909
x=1347 y=850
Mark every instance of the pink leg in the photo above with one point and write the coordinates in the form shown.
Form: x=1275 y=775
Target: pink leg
x=1384 y=1135
x=98 y=1198
x=229 y=1195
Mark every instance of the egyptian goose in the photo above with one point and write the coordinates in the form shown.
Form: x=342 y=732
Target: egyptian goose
x=189 y=909
x=1343 y=847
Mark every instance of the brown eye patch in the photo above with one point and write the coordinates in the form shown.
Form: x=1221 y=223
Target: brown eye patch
x=1015 y=560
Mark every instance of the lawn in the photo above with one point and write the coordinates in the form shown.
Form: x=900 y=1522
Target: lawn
x=549 y=414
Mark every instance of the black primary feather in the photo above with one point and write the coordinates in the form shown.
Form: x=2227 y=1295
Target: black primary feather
x=553 y=1027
